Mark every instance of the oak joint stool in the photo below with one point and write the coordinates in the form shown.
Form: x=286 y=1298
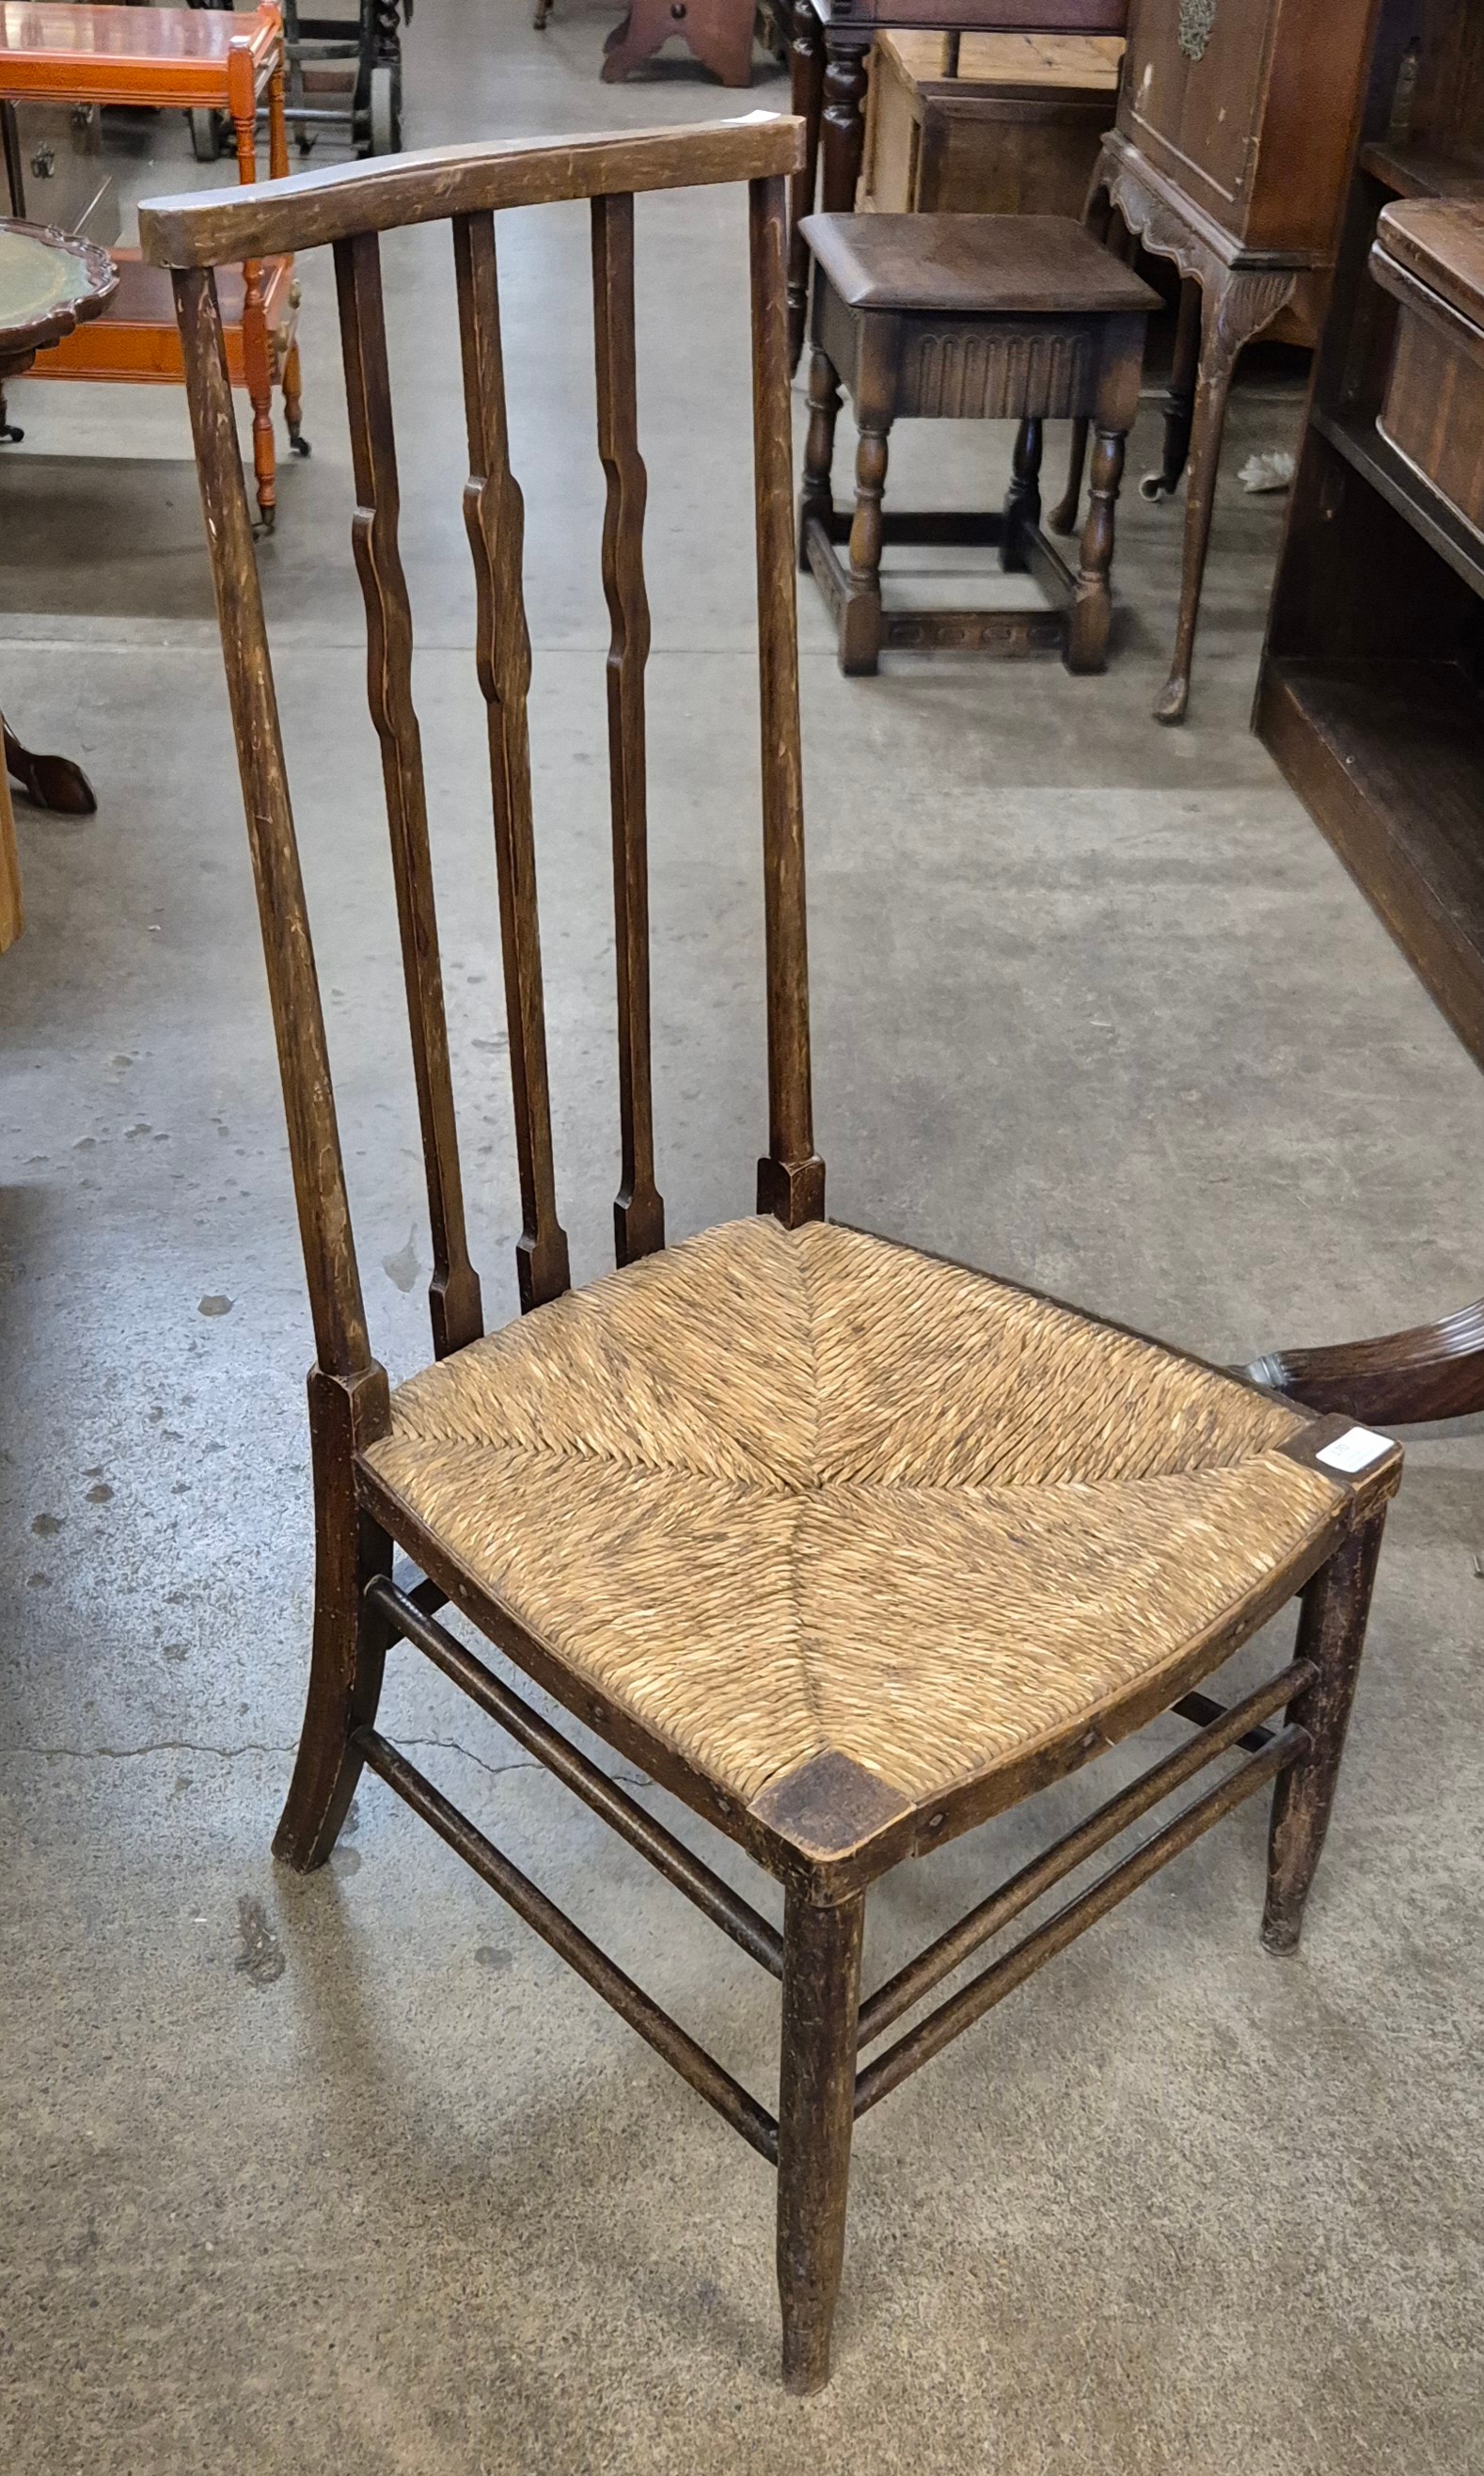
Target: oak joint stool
x=932 y=317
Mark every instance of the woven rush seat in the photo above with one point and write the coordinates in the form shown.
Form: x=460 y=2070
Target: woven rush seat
x=781 y=1493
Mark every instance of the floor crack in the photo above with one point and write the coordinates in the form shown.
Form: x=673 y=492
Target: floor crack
x=228 y=1754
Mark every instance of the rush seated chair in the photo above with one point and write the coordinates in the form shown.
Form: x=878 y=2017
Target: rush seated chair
x=845 y=1546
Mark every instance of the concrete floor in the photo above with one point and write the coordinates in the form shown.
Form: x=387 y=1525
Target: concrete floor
x=303 y=2175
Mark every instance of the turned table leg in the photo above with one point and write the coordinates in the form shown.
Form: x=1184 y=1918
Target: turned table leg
x=816 y=498
x=1092 y=610
x=860 y=623
x=842 y=132
x=1023 y=500
x=806 y=97
x=1096 y=216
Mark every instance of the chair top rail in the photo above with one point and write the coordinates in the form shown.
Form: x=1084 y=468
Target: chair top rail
x=274 y=218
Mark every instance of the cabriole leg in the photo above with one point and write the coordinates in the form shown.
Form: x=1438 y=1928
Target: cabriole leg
x=1332 y=1634
x=816 y=2115
x=1234 y=307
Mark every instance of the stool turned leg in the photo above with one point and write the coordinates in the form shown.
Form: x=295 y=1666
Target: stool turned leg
x=1179 y=402
x=1092 y=609
x=817 y=496
x=1098 y=217
x=860 y=622
x=1023 y=500
x=1069 y=506
x=1332 y=1634
x=816 y=2118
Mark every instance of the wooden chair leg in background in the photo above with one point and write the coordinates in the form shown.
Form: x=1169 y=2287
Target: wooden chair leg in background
x=842 y=134
x=292 y=402
x=13 y=916
x=256 y=355
x=1097 y=216
x=349 y=1649
x=806 y=92
x=1022 y=499
x=1180 y=399
x=719 y=34
x=1092 y=610
x=816 y=2118
x=816 y=497
x=1332 y=1634
x=53 y=783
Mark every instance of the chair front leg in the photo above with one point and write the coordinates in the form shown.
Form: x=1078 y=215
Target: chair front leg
x=1332 y=1634
x=349 y=1642
x=816 y=2116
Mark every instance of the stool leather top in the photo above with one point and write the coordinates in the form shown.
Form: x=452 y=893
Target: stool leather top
x=960 y=264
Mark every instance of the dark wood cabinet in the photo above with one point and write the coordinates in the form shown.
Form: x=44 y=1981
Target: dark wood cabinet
x=1371 y=689
x=1250 y=106
x=1236 y=126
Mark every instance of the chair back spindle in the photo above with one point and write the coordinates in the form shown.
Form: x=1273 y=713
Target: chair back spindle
x=638 y=1210
x=453 y=1294
x=495 y=514
x=791 y=1177
x=348 y=207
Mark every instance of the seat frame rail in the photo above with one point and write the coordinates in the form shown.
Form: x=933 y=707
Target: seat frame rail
x=409 y=1611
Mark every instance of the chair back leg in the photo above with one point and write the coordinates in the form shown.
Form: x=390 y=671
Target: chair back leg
x=350 y=1637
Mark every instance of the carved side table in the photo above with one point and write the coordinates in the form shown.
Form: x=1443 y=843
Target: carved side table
x=1236 y=123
